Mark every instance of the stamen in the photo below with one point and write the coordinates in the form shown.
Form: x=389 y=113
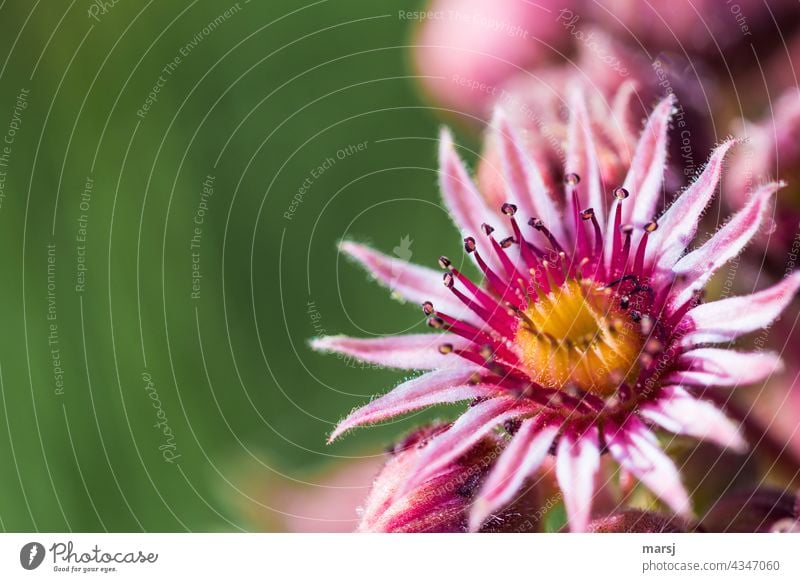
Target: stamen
x=621 y=193
x=539 y=225
x=500 y=286
x=503 y=325
x=621 y=259
x=484 y=298
x=507 y=242
x=617 y=242
x=638 y=263
x=508 y=209
x=581 y=243
x=472 y=333
x=508 y=266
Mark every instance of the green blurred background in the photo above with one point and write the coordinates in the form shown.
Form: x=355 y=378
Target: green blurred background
x=127 y=403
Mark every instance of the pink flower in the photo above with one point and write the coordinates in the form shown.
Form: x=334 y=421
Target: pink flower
x=588 y=330
x=467 y=50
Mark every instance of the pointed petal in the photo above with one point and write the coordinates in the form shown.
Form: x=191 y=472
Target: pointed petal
x=636 y=449
x=679 y=412
x=523 y=455
x=582 y=157
x=524 y=178
x=577 y=464
x=719 y=367
x=439 y=387
x=407 y=352
x=408 y=281
x=699 y=265
x=727 y=319
x=622 y=129
x=467 y=207
x=646 y=174
x=678 y=225
x=473 y=425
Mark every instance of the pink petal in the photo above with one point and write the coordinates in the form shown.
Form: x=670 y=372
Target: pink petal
x=718 y=367
x=727 y=319
x=702 y=263
x=679 y=412
x=646 y=174
x=678 y=225
x=577 y=464
x=582 y=156
x=406 y=352
x=467 y=207
x=525 y=183
x=636 y=449
x=522 y=457
x=438 y=387
x=410 y=282
x=623 y=131
x=472 y=426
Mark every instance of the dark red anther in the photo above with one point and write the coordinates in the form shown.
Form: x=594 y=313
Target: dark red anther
x=487 y=229
x=621 y=193
x=507 y=242
x=469 y=244
x=587 y=214
x=436 y=322
x=445 y=348
x=509 y=209
x=444 y=262
x=427 y=308
x=572 y=179
x=448 y=280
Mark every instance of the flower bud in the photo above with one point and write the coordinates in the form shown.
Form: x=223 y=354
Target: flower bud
x=440 y=504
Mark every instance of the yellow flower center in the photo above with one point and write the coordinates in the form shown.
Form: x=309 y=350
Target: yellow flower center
x=580 y=336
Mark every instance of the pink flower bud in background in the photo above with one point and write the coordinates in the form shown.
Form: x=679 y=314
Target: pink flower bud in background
x=469 y=48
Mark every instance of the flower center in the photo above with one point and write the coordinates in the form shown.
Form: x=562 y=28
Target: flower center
x=577 y=335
